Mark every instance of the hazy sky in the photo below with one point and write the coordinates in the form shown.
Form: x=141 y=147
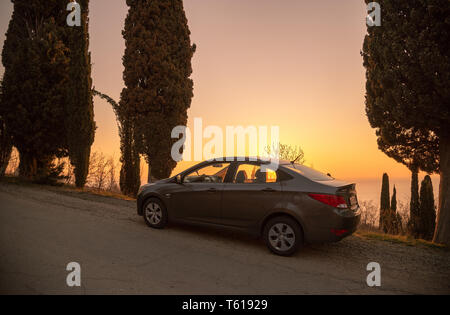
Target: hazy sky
x=291 y=63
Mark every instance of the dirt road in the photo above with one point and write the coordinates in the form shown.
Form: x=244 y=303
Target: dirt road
x=43 y=229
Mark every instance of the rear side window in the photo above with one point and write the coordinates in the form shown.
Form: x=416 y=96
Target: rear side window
x=252 y=174
x=308 y=172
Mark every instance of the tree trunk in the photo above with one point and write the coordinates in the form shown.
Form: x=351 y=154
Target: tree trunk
x=5 y=148
x=28 y=165
x=442 y=232
x=5 y=156
x=79 y=158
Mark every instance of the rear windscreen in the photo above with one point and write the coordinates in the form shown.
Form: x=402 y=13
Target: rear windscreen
x=308 y=172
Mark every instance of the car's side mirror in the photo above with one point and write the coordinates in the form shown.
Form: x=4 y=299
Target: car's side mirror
x=179 y=179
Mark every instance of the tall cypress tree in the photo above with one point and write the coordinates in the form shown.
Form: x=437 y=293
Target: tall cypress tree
x=414 y=218
x=394 y=200
x=157 y=73
x=80 y=126
x=5 y=147
x=407 y=98
x=395 y=218
x=427 y=210
x=5 y=143
x=384 y=202
x=130 y=170
x=33 y=92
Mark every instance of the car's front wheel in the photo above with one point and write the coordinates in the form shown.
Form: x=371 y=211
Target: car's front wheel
x=283 y=235
x=155 y=213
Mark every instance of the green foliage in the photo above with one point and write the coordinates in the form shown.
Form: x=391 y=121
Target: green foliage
x=5 y=143
x=411 y=147
x=392 y=221
x=414 y=218
x=394 y=200
x=157 y=73
x=408 y=66
x=80 y=128
x=47 y=103
x=51 y=175
x=427 y=210
x=384 y=201
x=36 y=65
x=5 y=148
x=130 y=172
x=110 y=100
x=407 y=96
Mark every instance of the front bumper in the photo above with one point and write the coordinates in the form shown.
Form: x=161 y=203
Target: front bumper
x=139 y=204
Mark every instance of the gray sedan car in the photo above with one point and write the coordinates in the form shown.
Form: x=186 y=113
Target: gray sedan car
x=288 y=205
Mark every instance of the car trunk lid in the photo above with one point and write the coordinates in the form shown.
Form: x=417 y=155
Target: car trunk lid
x=349 y=194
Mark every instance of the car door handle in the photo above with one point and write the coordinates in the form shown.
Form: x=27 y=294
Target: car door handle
x=268 y=190
x=212 y=190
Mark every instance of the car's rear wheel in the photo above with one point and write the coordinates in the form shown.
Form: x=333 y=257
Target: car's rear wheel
x=283 y=235
x=155 y=213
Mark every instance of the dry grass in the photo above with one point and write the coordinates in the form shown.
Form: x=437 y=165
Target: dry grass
x=398 y=239
x=67 y=188
x=97 y=192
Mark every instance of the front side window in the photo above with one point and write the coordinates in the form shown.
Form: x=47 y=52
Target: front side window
x=212 y=173
x=252 y=174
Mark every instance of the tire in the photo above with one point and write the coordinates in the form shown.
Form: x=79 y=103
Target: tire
x=155 y=213
x=283 y=235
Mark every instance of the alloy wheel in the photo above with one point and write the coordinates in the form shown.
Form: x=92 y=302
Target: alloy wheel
x=282 y=237
x=153 y=213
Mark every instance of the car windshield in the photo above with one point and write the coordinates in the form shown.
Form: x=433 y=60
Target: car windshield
x=308 y=172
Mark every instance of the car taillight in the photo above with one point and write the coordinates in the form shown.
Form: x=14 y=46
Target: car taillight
x=331 y=200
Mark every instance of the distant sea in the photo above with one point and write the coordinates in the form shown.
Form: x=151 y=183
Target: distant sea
x=370 y=189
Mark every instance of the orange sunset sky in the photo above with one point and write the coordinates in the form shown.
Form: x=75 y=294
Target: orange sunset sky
x=291 y=63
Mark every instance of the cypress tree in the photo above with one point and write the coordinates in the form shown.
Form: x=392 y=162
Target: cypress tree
x=414 y=218
x=80 y=126
x=157 y=73
x=384 y=202
x=427 y=210
x=130 y=170
x=396 y=225
x=36 y=65
x=5 y=147
x=394 y=200
x=5 y=143
x=408 y=72
x=130 y=178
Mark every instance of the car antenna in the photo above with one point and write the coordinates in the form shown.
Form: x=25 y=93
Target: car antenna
x=296 y=159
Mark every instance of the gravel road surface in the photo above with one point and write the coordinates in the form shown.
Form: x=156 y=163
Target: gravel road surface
x=42 y=229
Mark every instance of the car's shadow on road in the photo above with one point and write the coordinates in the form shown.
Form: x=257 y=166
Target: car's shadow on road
x=238 y=239
x=219 y=234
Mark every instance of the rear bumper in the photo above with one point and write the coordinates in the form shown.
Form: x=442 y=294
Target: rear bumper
x=346 y=226
x=341 y=225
